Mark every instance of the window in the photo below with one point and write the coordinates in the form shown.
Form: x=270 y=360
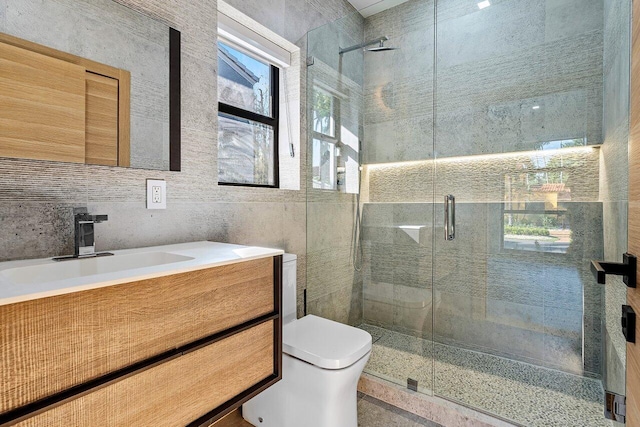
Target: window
x=324 y=162
x=547 y=231
x=323 y=113
x=537 y=194
x=248 y=101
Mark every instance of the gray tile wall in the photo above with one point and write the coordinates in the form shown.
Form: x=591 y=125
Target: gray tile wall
x=292 y=19
x=614 y=179
x=494 y=65
x=399 y=84
x=36 y=198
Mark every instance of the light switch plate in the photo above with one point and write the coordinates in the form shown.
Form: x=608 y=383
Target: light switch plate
x=156 y=194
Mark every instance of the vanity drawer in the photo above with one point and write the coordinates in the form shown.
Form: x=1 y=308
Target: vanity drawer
x=177 y=392
x=51 y=344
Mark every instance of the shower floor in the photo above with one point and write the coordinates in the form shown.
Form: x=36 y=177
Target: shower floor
x=520 y=392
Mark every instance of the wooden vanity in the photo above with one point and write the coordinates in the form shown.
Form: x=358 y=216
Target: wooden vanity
x=177 y=349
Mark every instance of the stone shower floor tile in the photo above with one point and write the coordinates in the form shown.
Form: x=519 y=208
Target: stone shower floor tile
x=411 y=358
x=375 y=413
x=523 y=393
x=375 y=331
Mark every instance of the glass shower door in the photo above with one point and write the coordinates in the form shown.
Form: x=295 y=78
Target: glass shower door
x=397 y=196
x=518 y=322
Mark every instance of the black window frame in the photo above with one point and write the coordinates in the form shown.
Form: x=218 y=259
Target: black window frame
x=272 y=121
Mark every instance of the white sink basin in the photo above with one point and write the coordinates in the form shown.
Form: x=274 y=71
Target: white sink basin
x=62 y=270
x=26 y=280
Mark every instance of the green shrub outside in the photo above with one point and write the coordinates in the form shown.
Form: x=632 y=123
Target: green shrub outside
x=525 y=231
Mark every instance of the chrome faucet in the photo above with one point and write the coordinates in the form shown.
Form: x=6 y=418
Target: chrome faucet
x=84 y=241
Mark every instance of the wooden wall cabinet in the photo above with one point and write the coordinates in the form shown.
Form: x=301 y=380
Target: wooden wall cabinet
x=61 y=107
x=183 y=349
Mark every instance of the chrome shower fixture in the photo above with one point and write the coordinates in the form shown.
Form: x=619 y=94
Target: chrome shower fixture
x=379 y=48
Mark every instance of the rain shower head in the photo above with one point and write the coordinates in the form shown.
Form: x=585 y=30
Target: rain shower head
x=379 y=48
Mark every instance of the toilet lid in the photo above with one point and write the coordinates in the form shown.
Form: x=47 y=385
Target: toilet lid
x=325 y=343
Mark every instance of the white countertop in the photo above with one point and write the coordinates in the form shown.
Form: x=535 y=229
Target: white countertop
x=200 y=255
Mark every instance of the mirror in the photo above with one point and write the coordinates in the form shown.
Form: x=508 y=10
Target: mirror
x=89 y=81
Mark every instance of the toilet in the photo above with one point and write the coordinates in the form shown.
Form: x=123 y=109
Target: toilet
x=322 y=361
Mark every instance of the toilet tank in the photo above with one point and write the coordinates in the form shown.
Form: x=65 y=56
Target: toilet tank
x=289 y=296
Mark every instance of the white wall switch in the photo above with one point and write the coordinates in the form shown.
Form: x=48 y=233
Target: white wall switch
x=156 y=194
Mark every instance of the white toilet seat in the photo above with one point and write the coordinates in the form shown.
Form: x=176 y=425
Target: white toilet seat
x=325 y=343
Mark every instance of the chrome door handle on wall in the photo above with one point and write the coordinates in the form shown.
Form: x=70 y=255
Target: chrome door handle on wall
x=449 y=217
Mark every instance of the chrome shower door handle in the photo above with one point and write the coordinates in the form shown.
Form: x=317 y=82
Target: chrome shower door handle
x=452 y=225
x=446 y=217
x=449 y=217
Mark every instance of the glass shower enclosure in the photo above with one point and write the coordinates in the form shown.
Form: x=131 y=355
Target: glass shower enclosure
x=458 y=188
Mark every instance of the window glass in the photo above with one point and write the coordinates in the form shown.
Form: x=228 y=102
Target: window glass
x=535 y=213
x=244 y=81
x=323 y=112
x=248 y=119
x=245 y=151
x=539 y=232
x=324 y=164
